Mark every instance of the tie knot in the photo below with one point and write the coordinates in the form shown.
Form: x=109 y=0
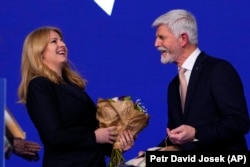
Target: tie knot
x=182 y=70
x=182 y=74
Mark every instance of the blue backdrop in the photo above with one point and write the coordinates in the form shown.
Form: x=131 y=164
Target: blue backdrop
x=116 y=53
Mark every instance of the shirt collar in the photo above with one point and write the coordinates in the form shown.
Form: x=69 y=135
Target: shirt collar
x=189 y=62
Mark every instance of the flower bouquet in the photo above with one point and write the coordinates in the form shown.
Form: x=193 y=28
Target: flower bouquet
x=126 y=115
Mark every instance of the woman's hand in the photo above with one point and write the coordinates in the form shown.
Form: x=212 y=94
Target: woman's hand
x=106 y=135
x=126 y=140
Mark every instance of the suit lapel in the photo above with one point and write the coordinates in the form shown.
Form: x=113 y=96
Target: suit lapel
x=194 y=78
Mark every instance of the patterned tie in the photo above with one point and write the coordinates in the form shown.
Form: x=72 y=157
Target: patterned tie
x=183 y=87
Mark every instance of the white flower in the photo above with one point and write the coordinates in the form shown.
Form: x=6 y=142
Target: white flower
x=115 y=98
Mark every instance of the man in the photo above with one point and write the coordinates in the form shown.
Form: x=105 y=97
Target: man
x=212 y=114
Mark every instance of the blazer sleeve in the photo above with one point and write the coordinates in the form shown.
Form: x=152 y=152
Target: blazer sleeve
x=228 y=94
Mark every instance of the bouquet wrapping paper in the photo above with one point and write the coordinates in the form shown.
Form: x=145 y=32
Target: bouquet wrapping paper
x=126 y=115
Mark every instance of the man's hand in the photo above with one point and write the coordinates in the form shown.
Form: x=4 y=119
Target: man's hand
x=26 y=149
x=181 y=134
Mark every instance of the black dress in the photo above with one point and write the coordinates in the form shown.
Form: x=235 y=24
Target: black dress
x=65 y=117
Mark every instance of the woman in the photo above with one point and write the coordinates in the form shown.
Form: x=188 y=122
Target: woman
x=62 y=112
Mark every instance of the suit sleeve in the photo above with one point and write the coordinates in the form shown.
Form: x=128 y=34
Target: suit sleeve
x=228 y=94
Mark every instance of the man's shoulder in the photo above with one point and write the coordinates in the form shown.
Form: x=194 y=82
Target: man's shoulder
x=212 y=59
x=215 y=63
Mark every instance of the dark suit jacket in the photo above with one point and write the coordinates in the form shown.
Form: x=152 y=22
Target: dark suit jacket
x=65 y=118
x=215 y=105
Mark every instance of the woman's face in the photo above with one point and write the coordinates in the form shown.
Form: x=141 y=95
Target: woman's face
x=55 y=53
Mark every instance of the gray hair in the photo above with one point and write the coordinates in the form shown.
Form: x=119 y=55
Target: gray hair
x=179 y=21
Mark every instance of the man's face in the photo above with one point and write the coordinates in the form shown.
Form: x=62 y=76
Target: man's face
x=167 y=44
